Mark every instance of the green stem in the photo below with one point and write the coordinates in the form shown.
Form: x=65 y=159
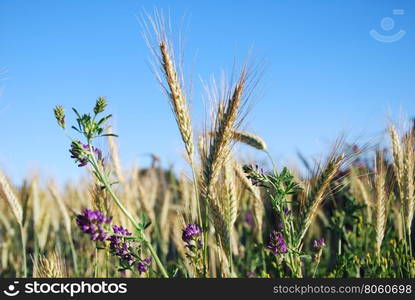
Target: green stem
x=126 y=212
x=272 y=161
x=317 y=262
x=230 y=258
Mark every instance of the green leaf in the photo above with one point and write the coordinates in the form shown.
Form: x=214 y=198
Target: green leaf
x=109 y=134
x=76 y=112
x=104 y=119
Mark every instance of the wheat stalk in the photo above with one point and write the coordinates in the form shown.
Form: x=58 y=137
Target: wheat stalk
x=218 y=148
x=380 y=201
x=169 y=78
x=408 y=181
x=317 y=193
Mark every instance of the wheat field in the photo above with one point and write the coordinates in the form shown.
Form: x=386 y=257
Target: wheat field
x=348 y=215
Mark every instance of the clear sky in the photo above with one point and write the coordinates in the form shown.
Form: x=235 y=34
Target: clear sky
x=325 y=73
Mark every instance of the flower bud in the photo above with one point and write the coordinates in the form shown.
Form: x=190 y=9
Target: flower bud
x=100 y=105
x=59 y=112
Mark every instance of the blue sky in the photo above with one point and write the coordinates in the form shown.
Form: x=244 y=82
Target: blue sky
x=324 y=73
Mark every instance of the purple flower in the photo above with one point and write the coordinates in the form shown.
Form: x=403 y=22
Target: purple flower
x=277 y=243
x=92 y=222
x=120 y=230
x=319 y=244
x=78 y=153
x=119 y=247
x=144 y=265
x=191 y=236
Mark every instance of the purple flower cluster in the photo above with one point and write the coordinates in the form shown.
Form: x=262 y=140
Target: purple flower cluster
x=118 y=246
x=191 y=235
x=277 y=243
x=79 y=153
x=319 y=244
x=92 y=222
x=144 y=265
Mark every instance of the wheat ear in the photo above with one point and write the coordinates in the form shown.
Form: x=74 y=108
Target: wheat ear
x=7 y=194
x=226 y=119
x=317 y=193
x=52 y=267
x=408 y=181
x=250 y=139
x=380 y=201
x=177 y=97
x=398 y=160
